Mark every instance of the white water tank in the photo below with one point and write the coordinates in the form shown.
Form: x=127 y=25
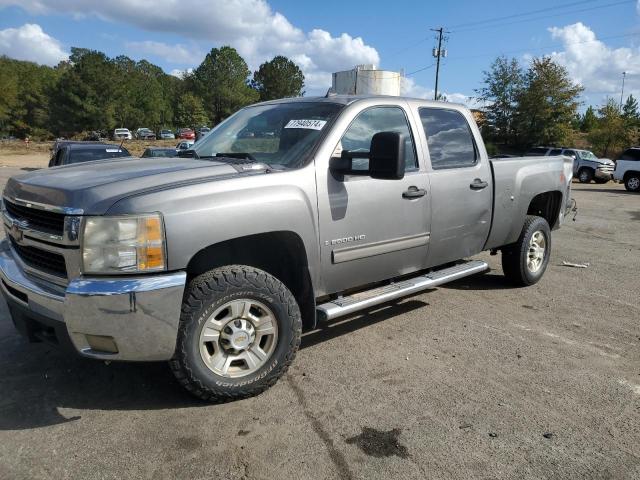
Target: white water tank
x=366 y=80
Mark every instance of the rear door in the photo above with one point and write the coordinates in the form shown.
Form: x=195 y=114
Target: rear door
x=461 y=185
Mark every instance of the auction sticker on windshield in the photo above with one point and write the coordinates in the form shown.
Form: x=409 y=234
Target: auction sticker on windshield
x=309 y=124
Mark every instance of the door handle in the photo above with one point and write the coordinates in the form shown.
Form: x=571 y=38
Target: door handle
x=414 y=192
x=478 y=184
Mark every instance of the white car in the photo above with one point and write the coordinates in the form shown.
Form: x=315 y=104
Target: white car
x=122 y=133
x=628 y=169
x=185 y=145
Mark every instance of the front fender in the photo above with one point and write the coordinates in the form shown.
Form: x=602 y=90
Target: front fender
x=200 y=215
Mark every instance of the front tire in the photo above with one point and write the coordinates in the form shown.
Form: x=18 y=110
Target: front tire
x=239 y=331
x=525 y=261
x=585 y=175
x=632 y=182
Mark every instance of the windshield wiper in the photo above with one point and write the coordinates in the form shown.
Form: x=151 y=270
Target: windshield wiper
x=238 y=155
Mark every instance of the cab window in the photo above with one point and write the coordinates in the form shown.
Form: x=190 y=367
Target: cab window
x=357 y=138
x=449 y=138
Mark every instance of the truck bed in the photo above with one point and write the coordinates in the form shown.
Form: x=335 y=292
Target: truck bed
x=514 y=182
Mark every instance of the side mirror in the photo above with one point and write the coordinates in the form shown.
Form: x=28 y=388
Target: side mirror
x=386 y=156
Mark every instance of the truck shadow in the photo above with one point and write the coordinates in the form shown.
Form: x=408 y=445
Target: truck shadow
x=483 y=281
x=41 y=386
x=351 y=323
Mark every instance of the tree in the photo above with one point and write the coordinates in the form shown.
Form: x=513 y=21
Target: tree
x=589 y=120
x=547 y=104
x=278 y=78
x=221 y=81
x=190 y=112
x=611 y=131
x=630 y=108
x=503 y=85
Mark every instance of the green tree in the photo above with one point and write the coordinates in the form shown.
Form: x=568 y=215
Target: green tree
x=221 y=81
x=82 y=99
x=190 y=112
x=278 y=78
x=503 y=85
x=589 y=120
x=612 y=131
x=547 y=104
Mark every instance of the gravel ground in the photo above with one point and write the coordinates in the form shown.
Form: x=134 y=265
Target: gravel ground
x=472 y=380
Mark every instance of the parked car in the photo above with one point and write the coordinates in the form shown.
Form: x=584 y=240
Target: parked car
x=216 y=263
x=586 y=165
x=78 y=152
x=628 y=169
x=159 y=152
x=122 y=133
x=165 y=134
x=201 y=132
x=185 y=145
x=145 y=134
x=186 y=134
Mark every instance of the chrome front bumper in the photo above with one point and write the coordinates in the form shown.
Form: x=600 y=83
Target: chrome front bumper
x=119 y=318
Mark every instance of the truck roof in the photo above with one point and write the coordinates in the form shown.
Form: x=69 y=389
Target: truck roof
x=349 y=99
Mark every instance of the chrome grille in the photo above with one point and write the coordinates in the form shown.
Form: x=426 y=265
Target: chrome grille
x=50 y=222
x=43 y=260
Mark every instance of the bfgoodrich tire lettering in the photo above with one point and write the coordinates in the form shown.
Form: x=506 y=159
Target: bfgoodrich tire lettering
x=209 y=293
x=525 y=261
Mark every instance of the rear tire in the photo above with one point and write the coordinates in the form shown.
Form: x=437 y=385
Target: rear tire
x=585 y=175
x=525 y=261
x=239 y=331
x=632 y=182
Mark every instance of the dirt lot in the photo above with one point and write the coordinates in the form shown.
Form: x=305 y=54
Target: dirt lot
x=473 y=380
x=37 y=154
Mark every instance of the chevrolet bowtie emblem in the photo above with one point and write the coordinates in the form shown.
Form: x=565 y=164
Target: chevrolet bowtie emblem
x=16 y=231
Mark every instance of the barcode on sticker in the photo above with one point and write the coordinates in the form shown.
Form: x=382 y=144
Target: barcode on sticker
x=309 y=124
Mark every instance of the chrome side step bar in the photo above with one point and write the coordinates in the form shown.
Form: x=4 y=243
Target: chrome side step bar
x=358 y=301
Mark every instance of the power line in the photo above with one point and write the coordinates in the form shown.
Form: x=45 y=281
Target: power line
x=469 y=26
x=522 y=14
x=613 y=4
x=419 y=70
x=509 y=52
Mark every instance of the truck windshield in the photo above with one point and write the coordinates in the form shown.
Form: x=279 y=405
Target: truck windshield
x=587 y=155
x=280 y=134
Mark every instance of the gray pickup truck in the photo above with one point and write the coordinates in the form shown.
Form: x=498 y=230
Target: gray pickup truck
x=216 y=262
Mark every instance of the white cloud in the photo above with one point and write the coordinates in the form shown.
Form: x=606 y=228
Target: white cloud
x=29 y=42
x=410 y=88
x=178 y=54
x=596 y=66
x=251 y=26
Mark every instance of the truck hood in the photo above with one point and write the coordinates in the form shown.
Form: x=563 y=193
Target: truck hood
x=93 y=187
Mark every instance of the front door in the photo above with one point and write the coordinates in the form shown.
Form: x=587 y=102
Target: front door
x=371 y=229
x=461 y=186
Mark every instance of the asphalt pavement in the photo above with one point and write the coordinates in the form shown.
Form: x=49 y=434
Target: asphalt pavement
x=473 y=380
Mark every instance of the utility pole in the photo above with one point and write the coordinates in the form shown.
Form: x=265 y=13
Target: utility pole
x=438 y=53
x=624 y=74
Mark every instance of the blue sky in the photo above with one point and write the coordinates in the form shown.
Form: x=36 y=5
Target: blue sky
x=595 y=39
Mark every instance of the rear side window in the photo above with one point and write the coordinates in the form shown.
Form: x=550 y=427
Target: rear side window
x=449 y=138
x=555 y=151
x=631 y=154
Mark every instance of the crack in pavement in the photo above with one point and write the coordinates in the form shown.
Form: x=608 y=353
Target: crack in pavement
x=335 y=455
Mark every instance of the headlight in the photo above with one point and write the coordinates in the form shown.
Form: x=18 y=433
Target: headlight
x=128 y=244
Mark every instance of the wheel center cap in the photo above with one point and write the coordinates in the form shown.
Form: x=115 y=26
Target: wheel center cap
x=240 y=339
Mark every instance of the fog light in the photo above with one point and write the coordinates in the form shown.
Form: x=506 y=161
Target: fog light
x=101 y=343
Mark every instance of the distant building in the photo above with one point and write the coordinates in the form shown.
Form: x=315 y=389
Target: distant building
x=366 y=80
